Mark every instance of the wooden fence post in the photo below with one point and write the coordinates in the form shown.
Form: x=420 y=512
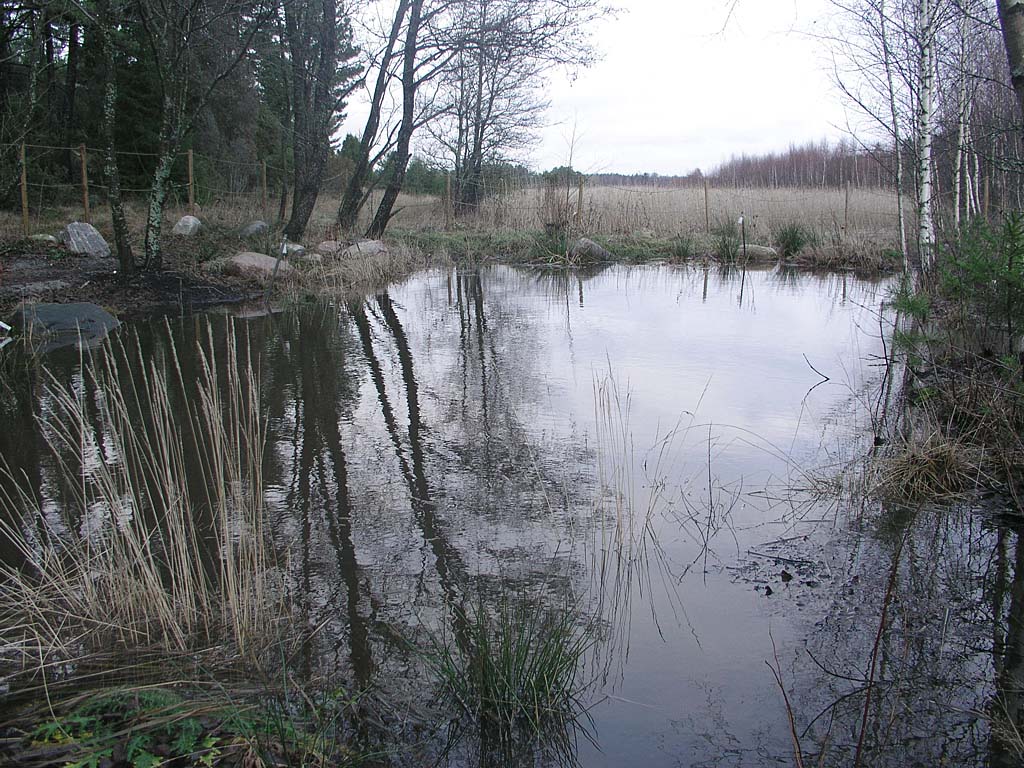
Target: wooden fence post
x=24 y=193
x=84 y=159
x=447 y=201
x=707 y=208
x=579 y=206
x=191 y=186
x=263 y=185
x=846 y=211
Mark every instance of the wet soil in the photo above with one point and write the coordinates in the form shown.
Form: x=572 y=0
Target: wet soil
x=31 y=271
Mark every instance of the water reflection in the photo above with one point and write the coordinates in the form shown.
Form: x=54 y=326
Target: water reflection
x=438 y=446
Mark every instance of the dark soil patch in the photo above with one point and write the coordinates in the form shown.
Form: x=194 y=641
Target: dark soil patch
x=30 y=271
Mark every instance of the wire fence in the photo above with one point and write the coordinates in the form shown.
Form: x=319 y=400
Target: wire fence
x=56 y=182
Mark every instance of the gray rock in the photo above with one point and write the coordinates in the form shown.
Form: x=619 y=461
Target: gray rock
x=294 y=250
x=585 y=249
x=254 y=228
x=329 y=247
x=45 y=239
x=249 y=264
x=83 y=239
x=364 y=248
x=51 y=326
x=759 y=252
x=187 y=226
x=313 y=259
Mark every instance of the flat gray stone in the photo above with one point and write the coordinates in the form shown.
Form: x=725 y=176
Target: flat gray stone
x=187 y=226
x=51 y=326
x=83 y=239
x=45 y=239
x=254 y=228
x=294 y=250
x=364 y=248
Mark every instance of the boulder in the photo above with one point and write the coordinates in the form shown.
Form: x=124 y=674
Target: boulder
x=329 y=247
x=187 y=226
x=294 y=250
x=45 y=239
x=313 y=259
x=759 y=252
x=50 y=326
x=364 y=248
x=585 y=250
x=254 y=228
x=83 y=240
x=249 y=264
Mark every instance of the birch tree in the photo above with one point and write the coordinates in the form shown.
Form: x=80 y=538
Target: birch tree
x=195 y=45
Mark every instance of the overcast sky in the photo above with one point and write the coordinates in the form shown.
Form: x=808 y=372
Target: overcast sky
x=679 y=88
x=676 y=91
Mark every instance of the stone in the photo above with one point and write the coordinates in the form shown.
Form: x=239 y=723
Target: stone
x=759 y=252
x=45 y=239
x=249 y=264
x=313 y=259
x=254 y=228
x=585 y=249
x=364 y=248
x=187 y=226
x=84 y=240
x=329 y=247
x=51 y=326
x=294 y=250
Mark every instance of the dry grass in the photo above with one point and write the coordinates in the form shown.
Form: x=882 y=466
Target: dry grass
x=868 y=222
x=929 y=467
x=160 y=544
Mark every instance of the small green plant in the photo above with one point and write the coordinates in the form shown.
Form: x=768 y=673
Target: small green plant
x=907 y=301
x=514 y=675
x=143 y=728
x=727 y=242
x=790 y=239
x=683 y=247
x=984 y=272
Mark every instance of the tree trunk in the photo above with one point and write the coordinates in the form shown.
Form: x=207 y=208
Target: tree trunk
x=925 y=134
x=122 y=245
x=70 y=86
x=313 y=107
x=401 y=156
x=896 y=134
x=348 y=211
x=1011 y=18
x=159 y=187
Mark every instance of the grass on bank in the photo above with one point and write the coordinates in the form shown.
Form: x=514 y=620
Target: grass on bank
x=514 y=676
x=635 y=224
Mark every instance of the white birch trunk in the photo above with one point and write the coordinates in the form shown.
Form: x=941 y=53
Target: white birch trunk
x=896 y=135
x=926 y=131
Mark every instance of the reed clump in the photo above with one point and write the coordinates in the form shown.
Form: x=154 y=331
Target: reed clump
x=159 y=543
x=514 y=672
x=932 y=467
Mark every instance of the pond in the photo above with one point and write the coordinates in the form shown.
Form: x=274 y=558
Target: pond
x=669 y=456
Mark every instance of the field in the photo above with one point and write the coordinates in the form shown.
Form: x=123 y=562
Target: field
x=862 y=218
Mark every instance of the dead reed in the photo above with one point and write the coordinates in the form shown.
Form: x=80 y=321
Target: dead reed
x=160 y=543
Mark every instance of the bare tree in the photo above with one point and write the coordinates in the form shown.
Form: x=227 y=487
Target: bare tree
x=189 y=37
x=319 y=44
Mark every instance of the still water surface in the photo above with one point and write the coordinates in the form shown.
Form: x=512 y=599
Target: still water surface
x=653 y=447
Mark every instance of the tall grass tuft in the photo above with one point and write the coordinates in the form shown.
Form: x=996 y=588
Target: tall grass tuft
x=159 y=543
x=514 y=675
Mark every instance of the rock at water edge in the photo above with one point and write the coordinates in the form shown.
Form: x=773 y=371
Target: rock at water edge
x=364 y=248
